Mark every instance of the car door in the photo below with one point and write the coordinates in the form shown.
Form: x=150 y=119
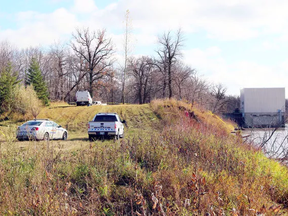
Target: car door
x=49 y=129
x=58 y=131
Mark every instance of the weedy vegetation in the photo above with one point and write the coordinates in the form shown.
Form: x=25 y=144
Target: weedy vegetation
x=175 y=159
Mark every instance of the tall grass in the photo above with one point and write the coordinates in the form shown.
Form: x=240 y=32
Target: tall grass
x=170 y=164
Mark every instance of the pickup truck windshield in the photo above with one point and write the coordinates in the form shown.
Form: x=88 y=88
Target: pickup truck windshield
x=105 y=118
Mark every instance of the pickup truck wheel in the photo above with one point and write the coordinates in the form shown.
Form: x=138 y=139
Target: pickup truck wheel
x=117 y=137
x=92 y=138
x=20 y=139
x=122 y=135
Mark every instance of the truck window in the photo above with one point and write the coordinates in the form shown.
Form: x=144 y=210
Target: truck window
x=105 y=118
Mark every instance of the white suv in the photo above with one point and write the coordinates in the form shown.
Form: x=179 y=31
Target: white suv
x=39 y=129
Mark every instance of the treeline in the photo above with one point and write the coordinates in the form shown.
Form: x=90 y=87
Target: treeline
x=87 y=62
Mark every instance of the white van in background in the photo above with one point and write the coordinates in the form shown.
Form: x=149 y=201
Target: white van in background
x=83 y=98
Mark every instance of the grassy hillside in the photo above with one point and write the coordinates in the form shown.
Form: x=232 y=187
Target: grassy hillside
x=174 y=160
x=76 y=118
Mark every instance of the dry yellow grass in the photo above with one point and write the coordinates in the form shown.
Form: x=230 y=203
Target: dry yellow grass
x=167 y=164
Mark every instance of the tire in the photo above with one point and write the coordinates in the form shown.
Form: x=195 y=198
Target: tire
x=65 y=136
x=117 y=136
x=91 y=138
x=122 y=135
x=46 y=137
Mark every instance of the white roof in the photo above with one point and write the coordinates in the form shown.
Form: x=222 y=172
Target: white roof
x=39 y=120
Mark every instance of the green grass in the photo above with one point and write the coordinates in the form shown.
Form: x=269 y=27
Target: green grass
x=191 y=166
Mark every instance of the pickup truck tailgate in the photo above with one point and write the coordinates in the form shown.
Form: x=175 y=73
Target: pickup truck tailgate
x=101 y=127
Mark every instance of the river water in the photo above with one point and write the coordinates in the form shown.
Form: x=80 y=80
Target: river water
x=273 y=142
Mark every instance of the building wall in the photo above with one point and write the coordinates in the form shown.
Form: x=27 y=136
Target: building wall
x=263 y=100
x=263 y=107
x=242 y=101
x=264 y=120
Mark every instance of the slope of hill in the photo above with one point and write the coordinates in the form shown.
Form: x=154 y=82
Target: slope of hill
x=175 y=160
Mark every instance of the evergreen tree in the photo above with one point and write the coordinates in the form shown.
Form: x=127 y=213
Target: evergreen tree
x=35 y=78
x=8 y=83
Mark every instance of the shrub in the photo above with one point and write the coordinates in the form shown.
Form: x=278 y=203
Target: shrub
x=27 y=102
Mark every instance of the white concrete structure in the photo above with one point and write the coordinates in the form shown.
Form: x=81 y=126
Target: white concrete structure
x=262 y=107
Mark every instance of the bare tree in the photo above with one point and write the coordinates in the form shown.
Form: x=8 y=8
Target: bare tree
x=77 y=71
x=141 y=70
x=162 y=69
x=180 y=77
x=96 y=50
x=232 y=104
x=111 y=88
x=196 y=90
x=58 y=64
x=169 y=52
x=218 y=92
x=9 y=56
